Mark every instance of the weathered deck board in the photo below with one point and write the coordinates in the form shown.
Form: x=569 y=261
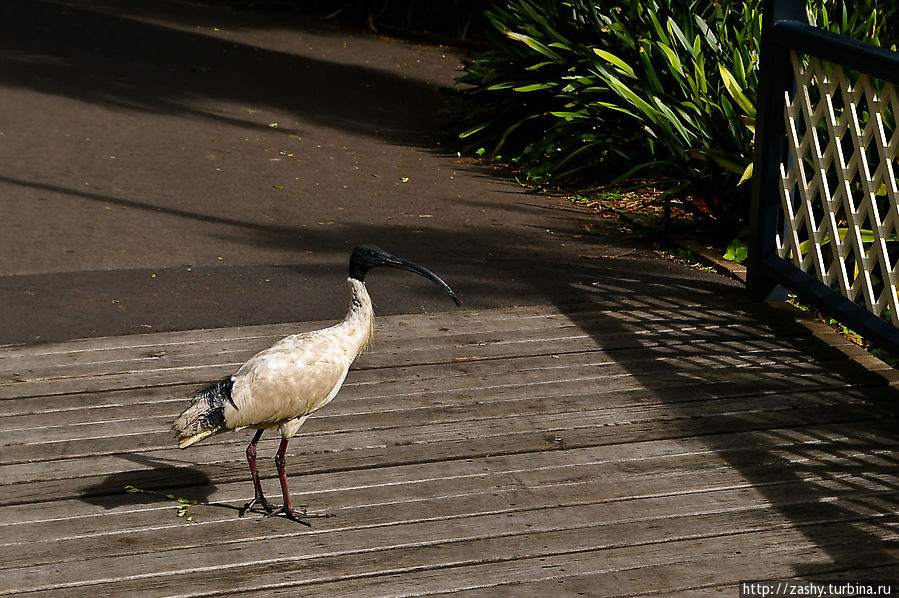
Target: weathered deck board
x=162 y=363
x=410 y=443
x=668 y=446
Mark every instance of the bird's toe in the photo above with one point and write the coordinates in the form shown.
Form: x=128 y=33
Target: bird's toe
x=298 y=515
x=266 y=506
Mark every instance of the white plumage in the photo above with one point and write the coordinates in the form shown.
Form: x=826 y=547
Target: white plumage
x=298 y=375
x=283 y=385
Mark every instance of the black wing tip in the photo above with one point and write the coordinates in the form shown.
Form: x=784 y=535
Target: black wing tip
x=218 y=392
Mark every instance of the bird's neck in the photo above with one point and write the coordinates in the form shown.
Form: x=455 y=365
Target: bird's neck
x=359 y=320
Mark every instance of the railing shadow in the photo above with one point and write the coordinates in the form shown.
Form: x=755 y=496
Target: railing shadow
x=827 y=441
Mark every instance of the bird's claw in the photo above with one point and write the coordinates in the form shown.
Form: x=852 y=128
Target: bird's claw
x=297 y=515
x=263 y=502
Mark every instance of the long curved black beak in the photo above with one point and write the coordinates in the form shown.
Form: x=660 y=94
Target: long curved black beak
x=410 y=266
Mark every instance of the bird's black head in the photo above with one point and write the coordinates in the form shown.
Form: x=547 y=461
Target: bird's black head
x=365 y=257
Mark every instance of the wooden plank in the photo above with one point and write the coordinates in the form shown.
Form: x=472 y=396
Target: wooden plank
x=617 y=386
x=771 y=550
x=824 y=445
x=389 y=329
x=788 y=493
x=461 y=384
x=562 y=450
x=464 y=553
x=542 y=369
x=402 y=502
x=417 y=422
x=367 y=448
x=116 y=534
x=626 y=309
x=388 y=352
x=149 y=351
x=832 y=572
x=168 y=468
x=382 y=498
x=677 y=580
x=686 y=356
x=33 y=430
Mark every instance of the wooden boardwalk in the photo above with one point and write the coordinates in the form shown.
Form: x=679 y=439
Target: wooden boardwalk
x=628 y=447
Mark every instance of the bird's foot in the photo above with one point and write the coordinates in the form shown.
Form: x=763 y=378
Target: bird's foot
x=297 y=515
x=268 y=507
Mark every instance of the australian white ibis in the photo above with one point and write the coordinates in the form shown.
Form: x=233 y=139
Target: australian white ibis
x=283 y=385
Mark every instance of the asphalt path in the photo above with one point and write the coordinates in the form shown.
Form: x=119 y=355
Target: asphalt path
x=170 y=166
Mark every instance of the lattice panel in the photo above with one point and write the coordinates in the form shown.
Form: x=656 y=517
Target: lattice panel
x=839 y=190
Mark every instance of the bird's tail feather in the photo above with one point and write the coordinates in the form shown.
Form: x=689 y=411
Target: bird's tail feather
x=206 y=414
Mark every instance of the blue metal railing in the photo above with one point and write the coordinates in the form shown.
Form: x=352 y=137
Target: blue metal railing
x=786 y=31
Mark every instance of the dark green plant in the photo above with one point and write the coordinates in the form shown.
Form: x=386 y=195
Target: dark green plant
x=586 y=92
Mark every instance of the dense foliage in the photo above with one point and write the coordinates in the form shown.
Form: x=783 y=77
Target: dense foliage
x=587 y=91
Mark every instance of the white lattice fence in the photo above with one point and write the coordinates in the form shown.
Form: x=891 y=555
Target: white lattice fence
x=839 y=191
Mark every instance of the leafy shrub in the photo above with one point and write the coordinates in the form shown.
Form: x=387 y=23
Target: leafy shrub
x=584 y=92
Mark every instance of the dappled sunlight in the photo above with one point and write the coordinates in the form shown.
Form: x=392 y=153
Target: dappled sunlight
x=823 y=426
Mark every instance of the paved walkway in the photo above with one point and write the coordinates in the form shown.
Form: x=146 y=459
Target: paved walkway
x=169 y=166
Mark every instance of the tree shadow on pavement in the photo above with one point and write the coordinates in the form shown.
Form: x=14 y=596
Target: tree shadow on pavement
x=138 y=64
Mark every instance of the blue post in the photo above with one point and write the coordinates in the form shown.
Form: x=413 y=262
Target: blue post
x=775 y=77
